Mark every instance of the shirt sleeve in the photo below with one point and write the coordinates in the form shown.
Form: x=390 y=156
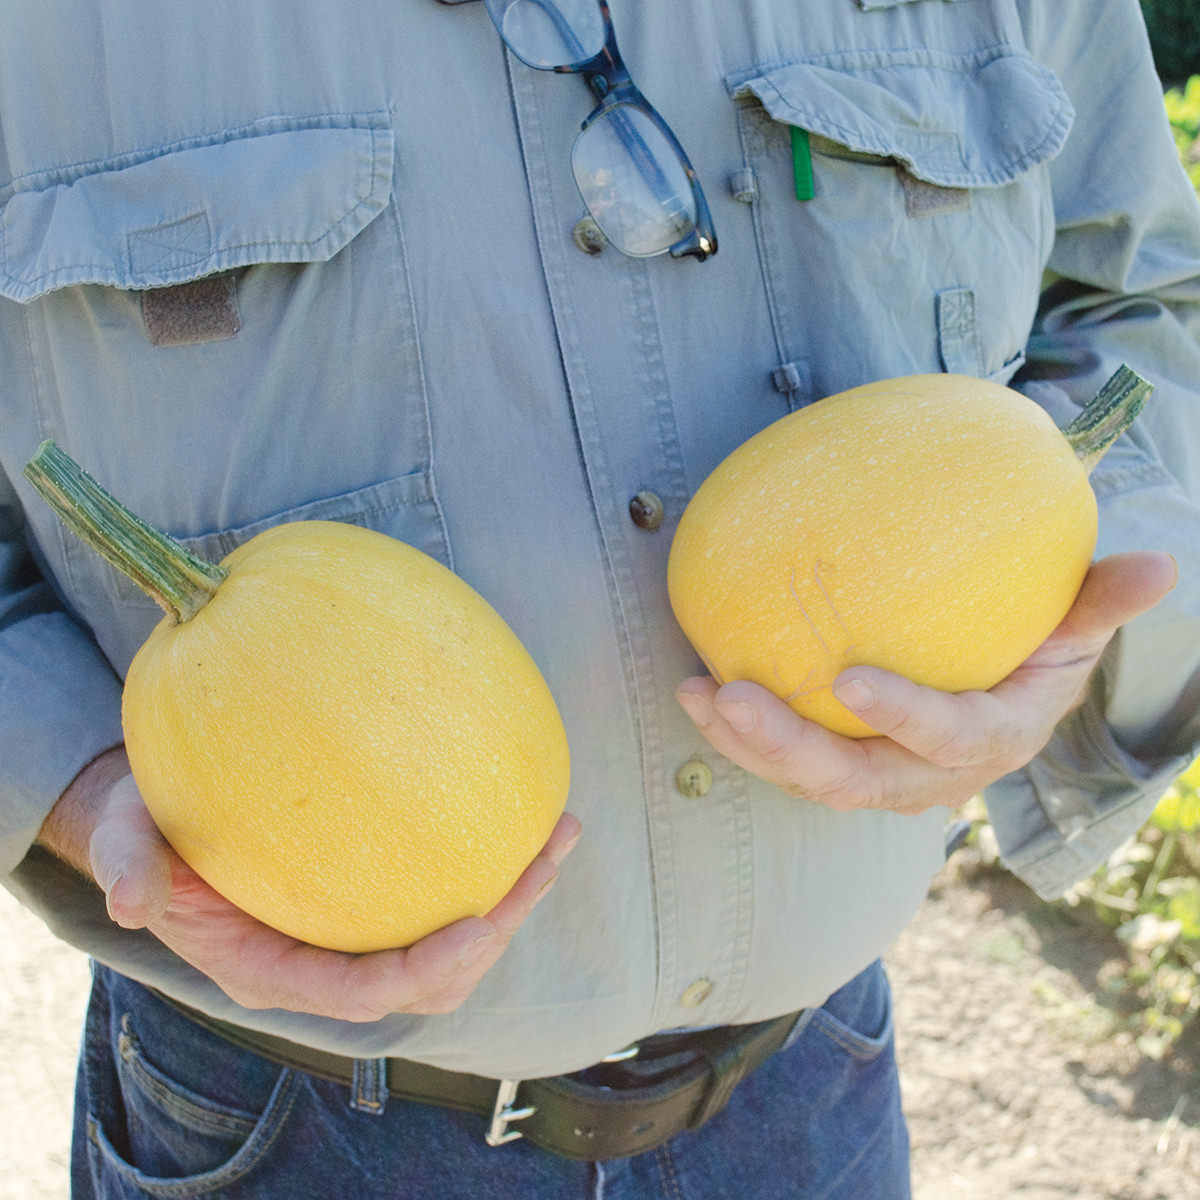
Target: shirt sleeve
x=1125 y=288
x=61 y=699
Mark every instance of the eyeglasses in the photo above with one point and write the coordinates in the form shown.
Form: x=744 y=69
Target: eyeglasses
x=631 y=171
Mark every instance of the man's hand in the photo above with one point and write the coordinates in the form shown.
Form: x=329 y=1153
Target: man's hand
x=935 y=747
x=102 y=826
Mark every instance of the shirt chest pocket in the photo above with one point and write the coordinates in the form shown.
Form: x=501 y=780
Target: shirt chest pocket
x=907 y=190
x=233 y=315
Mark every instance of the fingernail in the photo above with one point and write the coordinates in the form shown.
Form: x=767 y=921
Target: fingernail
x=108 y=895
x=544 y=890
x=696 y=707
x=740 y=715
x=856 y=694
x=474 y=949
x=562 y=854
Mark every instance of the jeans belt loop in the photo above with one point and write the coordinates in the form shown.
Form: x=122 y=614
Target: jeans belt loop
x=368 y=1087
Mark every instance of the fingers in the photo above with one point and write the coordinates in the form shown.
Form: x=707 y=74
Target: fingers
x=759 y=732
x=435 y=975
x=1117 y=589
x=438 y=973
x=948 y=730
x=147 y=885
x=934 y=747
x=261 y=968
x=130 y=860
x=537 y=879
x=484 y=948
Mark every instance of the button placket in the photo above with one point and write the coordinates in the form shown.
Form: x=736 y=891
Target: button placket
x=610 y=330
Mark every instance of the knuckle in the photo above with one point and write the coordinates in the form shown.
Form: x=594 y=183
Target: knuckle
x=244 y=996
x=437 y=1006
x=774 y=752
x=441 y=1000
x=854 y=790
x=1007 y=748
x=958 y=747
x=978 y=732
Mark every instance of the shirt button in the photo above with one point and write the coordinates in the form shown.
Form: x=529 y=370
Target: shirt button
x=589 y=237
x=696 y=993
x=693 y=779
x=646 y=510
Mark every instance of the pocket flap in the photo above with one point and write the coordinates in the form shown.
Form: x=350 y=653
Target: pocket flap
x=975 y=120
x=278 y=190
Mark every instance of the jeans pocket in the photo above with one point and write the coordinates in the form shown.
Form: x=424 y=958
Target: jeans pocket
x=848 y=1043
x=826 y=1110
x=858 y=1017
x=148 y=1132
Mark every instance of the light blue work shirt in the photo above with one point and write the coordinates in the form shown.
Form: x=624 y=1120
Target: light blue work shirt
x=400 y=328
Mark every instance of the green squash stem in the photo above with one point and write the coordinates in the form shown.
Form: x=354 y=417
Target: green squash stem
x=1107 y=416
x=178 y=580
x=182 y=583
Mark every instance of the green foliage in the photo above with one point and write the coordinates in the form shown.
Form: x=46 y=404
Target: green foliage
x=1149 y=893
x=1183 y=110
x=1174 y=28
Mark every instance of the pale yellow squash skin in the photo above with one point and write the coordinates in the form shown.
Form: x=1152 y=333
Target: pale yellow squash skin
x=346 y=741
x=939 y=526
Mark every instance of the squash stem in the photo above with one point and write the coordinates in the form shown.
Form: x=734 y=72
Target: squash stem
x=178 y=580
x=1107 y=416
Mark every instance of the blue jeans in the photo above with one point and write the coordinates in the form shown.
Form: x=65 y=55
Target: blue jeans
x=166 y=1109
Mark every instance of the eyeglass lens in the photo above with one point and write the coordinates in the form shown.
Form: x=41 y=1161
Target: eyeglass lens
x=550 y=33
x=632 y=182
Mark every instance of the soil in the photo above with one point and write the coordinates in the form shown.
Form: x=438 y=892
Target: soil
x=1020 y=1070
x=1021 y=1076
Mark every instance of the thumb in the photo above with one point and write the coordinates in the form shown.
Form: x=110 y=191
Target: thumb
x=131 y=860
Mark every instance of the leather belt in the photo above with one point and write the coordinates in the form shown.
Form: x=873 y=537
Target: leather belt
x=631 y=1102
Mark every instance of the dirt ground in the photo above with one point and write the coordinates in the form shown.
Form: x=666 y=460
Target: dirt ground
x=1020 y=1078
x=1019 y=1081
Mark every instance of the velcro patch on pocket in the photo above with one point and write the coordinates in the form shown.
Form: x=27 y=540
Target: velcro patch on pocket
x=201 y=310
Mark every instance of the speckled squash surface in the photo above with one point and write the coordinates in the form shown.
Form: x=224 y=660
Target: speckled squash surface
x=336 y=732
x=939 y=526
x=346 y=740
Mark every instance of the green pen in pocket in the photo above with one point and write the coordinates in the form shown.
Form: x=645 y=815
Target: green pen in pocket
x=802 y=170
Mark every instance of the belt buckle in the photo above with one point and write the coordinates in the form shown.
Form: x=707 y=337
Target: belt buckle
x=503 y=1112
x=498 y=1133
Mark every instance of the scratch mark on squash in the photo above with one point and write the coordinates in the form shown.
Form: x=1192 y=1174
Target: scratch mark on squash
x=837 y=616
x=802 y=688
x=804 y=611
x=805 y=687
